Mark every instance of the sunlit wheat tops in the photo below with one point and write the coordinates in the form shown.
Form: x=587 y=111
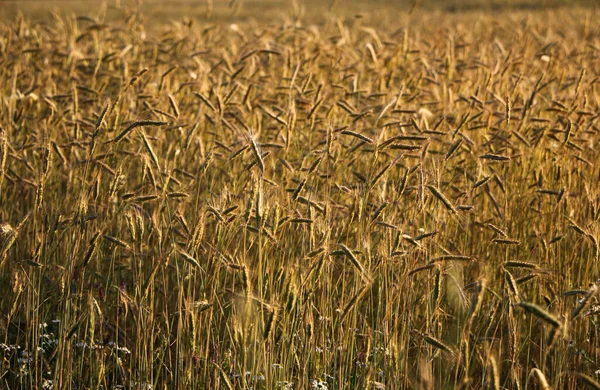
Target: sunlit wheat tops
x=296 y=194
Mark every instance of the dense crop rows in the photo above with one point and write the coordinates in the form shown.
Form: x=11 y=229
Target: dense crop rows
x=287 y=205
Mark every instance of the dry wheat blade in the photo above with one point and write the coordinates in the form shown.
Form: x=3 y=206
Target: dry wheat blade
x=132 y=126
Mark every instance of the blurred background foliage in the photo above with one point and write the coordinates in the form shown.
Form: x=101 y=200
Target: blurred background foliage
x=273 y=10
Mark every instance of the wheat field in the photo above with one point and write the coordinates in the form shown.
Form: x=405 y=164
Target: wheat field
x=401 y=198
